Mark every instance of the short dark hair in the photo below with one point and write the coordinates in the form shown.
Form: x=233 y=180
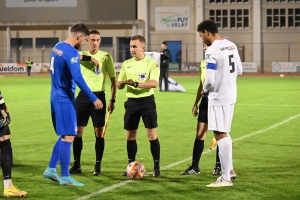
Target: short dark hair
x=94 y=32
x=165 y=43
x=208 y=25
x=80 y=28
x=139 y=38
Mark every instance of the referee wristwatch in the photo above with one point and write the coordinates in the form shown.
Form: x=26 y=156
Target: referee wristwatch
x=112 y=100
x=136 y=85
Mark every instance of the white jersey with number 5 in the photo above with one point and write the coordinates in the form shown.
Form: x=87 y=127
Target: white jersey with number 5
x=223 y=67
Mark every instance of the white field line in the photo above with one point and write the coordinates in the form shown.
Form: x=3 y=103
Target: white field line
x=185 y=160
x=270 y=105
x=241 y=104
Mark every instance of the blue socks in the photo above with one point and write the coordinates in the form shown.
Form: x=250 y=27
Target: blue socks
x=65 y=156
x=61 y=152
x=55 y=154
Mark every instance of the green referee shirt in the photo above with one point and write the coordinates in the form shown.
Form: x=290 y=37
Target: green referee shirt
x=96 y=81
x=202 y=71
x=139 y=71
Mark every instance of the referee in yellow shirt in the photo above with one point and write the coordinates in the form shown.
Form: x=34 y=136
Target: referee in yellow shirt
x=95 y=64
x=140 y=75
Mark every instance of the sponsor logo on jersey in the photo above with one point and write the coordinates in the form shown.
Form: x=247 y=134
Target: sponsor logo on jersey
x=228 y=48
x=207 y=56
x=57 y=51
x=74 y=60
x=129 y=67
x=142 y=76
x=98 y=70
x=155 y=66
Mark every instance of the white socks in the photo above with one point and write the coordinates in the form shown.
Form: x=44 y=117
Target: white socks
x=225 y=154
x=7 y=183
x=231 y=164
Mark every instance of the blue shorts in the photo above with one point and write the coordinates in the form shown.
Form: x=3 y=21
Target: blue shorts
x=64 y=118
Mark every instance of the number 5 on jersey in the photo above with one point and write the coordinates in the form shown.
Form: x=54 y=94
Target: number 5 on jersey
x=231 y=64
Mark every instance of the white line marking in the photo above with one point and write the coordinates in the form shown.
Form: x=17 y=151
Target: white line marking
x=184 y=160
x=269 y=105
x=240 y=104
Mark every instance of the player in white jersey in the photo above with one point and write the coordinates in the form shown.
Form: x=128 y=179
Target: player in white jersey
x=223 y=67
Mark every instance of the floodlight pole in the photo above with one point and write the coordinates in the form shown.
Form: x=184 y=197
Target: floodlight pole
x=43 y=53
x=8 y=44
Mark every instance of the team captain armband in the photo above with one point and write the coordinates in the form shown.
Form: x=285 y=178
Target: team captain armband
x=86 y=58
x=212 y=66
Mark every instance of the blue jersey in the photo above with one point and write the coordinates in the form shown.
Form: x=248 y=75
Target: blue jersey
x=65 y=72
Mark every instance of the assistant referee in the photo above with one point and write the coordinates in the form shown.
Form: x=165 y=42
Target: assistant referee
x=95 y=64
x=140 y=74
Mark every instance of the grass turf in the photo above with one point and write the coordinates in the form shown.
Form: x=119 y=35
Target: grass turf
x=267 y=163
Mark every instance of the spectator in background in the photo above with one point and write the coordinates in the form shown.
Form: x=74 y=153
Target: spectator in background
x=178 y=58
x=164 y=66
x=29 y=64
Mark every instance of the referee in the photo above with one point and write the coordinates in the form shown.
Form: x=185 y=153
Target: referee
x=140 y=74
x=95 y=64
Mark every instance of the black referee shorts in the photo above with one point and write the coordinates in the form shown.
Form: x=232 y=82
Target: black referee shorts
x=203 y=107
x=136 y=108
x=4 y=131
x=85 y=108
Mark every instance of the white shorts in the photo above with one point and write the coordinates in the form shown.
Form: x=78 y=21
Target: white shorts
x=220 y=117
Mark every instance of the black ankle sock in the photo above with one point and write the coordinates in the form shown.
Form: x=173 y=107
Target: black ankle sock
x=197 y=152
x=99 y=148
x=77 y=148
x=131 y=150
x=217 y=157
x=6 y=159
x=155 y=150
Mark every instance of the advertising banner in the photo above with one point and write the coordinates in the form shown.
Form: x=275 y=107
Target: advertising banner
x=13 y=68
x=190 y=67
x=40 y=3
x=194 y=66
x=285 y=66
x=249 y=66
x=40 y=68
x=172 y=18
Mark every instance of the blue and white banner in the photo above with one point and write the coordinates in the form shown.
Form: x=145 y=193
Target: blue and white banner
x=172 y=18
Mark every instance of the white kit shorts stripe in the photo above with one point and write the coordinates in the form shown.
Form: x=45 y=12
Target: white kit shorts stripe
x=220 y=117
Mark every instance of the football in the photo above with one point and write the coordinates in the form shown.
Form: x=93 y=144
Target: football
x=135 y=170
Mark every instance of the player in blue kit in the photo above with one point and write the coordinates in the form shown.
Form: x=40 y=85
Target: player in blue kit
x=65 y=74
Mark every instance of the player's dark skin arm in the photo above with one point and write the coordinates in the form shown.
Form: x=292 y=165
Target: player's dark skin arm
x=121 y=85
x=111 y=106
x=198 y=97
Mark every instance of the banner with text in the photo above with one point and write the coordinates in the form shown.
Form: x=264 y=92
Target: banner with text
x=13 y=68
x=249 y=66
x=285 y=66
x=172 y=18
x=40 y=3
x=22 y=68
x=194 y=66
x=40 y=68
x=190 y=67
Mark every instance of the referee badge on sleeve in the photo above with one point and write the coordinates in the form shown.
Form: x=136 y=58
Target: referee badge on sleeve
x=142 y=76
x=98 y=70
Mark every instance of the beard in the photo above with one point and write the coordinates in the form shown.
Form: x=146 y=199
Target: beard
x=77 y=46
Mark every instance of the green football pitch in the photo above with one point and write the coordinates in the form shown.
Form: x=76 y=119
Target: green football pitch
x=265 y=133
